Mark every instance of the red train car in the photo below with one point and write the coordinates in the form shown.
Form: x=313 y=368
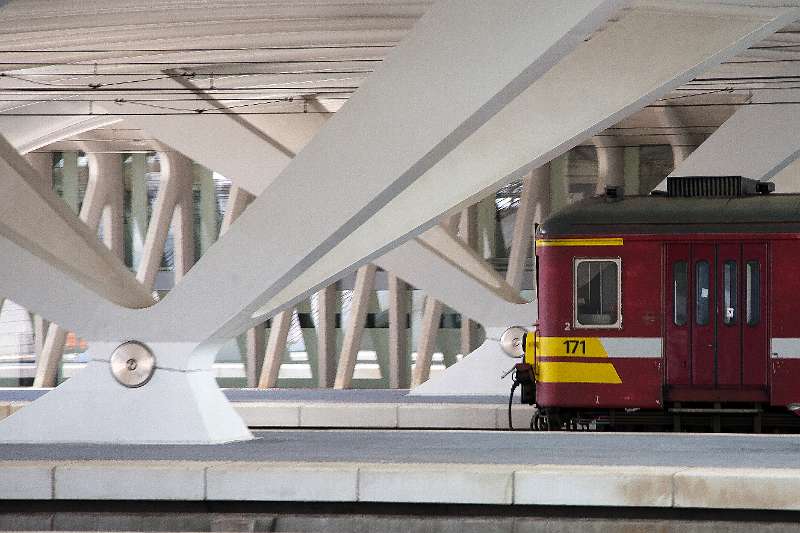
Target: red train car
x=675 y=304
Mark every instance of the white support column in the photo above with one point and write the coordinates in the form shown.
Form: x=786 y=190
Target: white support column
x=468 y=231
x=559 y=183
x=523 y=230
x=276 y=347
x=365 y=282
x=69 y=181
x=97 y=193
x=631 y=171
x=255 y=344
x=432 y=313
x=42 y=162
x=180 y=169
x=110 y=166
x=486 y=214
x=541 y=188
x=399 y=368
x=208 y=207
x=139 y=207
x=176 y=184
x=40 y=326
x=326 y=336
x=610 y=167
x=431 y=317
x=680 y=141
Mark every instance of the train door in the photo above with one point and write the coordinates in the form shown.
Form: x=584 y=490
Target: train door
x=716 y=331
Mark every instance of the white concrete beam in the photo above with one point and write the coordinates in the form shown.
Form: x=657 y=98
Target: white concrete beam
x=757 y=142
x=684 y=41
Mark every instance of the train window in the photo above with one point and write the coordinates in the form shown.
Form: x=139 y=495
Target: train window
x=753 y=293
x=597 y=293
x=702 y=293
x=729 y=293
x=680 y=292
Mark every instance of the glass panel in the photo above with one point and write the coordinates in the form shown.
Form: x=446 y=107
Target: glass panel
x=680 y=292
x=702 y=293
x=753 y=293
x=597 y=293
x=729 y=293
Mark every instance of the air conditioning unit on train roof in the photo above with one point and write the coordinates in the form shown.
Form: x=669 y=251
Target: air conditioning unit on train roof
x=716 y=186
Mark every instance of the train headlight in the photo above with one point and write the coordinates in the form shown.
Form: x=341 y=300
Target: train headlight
x=511 y=341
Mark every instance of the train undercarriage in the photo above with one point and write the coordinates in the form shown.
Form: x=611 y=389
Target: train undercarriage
x=677 y=417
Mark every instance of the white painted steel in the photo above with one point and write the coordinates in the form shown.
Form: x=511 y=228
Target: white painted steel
x=365 y=177
x=757 y=142
x=370 y=199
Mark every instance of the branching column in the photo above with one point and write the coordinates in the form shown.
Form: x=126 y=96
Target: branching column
x=238 y=200
x=42 y=162
x=104 y=194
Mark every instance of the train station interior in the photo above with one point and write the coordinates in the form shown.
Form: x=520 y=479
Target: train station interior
x=399 y=265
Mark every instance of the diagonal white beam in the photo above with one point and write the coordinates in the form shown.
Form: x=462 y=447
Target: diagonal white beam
x=757 y=142
x=375 y=156
x=259 y=150
x=593 y=88
x=448 y=270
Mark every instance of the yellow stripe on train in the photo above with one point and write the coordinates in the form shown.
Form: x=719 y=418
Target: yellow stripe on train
x=569 y=371
x=607 y=241
x=572 y=372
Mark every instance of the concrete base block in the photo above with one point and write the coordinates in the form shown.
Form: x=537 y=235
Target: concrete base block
x=26 y=481
x=740 y=488
x=269 y=414
x=174 y=407
x=344 y=415
x=594 y=485
x=453 y=416
x=423 y=483
x=130 y=481
x=283 y=482
x=520 y=415
x=479 y=372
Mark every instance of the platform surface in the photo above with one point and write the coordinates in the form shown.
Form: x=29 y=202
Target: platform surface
x=396 y=466
x=470 y=447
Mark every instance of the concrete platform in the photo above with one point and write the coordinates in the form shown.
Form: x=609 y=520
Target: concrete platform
x=446 y=467
x=328 y=408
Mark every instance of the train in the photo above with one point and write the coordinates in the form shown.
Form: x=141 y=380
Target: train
x=672 y=310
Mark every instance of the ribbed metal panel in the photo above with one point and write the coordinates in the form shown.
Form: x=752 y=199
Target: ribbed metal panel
x=710 y=186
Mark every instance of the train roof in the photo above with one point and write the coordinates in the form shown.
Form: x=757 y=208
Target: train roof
x=763 y=213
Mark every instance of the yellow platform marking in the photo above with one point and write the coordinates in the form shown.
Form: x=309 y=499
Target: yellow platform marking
x=612 y=241
x=570 y=372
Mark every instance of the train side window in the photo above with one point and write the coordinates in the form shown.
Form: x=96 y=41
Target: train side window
x=701 y=293
x=597 y=293
x=729 y=293
x=753 y=304
x=680 y=292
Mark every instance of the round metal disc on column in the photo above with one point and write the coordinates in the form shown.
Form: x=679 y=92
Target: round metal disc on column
x=511 y=341
x=132 y=364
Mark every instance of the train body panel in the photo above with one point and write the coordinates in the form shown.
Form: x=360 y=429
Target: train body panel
x=656 y=301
